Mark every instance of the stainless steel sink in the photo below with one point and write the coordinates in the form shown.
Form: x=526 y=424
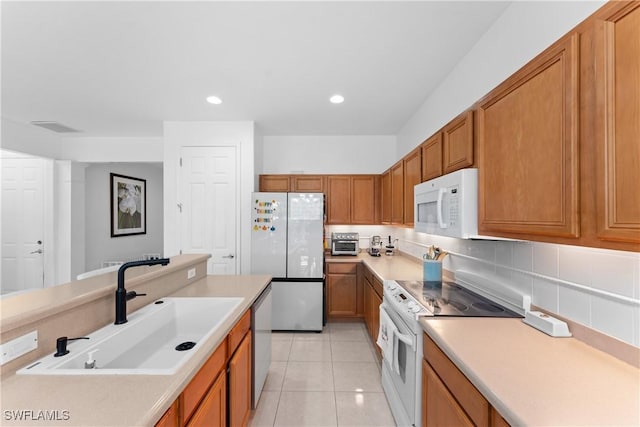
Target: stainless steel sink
x=157 y=340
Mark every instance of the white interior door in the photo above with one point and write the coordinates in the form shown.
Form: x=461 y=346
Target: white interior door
x=22 y=224
x=209 y=205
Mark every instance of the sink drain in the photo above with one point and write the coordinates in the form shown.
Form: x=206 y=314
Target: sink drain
x=187 y=345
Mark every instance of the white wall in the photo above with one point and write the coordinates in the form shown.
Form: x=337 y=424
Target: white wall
x=598 y=288
x=100 y=246
x=29 y=139
x=525 y=29
x=258 y=156
x=103 y=150
x=69 y=220
x=343 y=154
x=182 y=134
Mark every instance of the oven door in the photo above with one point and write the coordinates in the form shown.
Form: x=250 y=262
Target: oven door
x=342 y=247
x=400 y=384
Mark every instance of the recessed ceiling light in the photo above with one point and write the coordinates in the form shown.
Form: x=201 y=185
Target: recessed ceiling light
x=214 y=100
x=337 y=99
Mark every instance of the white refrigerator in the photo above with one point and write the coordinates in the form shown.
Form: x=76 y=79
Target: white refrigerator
x=287 y=243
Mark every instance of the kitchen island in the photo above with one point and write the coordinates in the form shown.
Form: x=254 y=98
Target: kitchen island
x=121 y=400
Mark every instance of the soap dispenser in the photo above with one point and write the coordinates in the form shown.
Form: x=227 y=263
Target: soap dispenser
x=91 y=362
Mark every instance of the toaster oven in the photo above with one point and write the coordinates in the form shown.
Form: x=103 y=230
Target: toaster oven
x=345 y=243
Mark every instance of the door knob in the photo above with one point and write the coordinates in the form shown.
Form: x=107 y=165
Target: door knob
x=37 y=251
x=230 y=256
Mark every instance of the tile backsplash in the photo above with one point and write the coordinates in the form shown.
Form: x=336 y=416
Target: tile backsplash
x=598 y=288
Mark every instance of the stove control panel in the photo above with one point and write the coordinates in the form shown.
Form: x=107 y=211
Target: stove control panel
x=401 y=301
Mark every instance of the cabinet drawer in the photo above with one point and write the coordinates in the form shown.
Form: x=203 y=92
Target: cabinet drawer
x=238 y=331
x=199 y=385
x=342 y=267
x=471 y=400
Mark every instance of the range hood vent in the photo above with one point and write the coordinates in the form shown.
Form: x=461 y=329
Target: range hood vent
x=55 y=127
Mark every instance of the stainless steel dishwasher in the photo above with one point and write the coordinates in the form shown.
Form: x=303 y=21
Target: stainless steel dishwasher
x=261 y=335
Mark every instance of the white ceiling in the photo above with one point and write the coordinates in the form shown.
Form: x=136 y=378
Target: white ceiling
x=121 y=68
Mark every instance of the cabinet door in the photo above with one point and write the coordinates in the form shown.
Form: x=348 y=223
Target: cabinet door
x=197 y=388
x=457 y=143
x=170 y=418
x=342 y=295
x=439 y=406
x=432 y=157
x=307 y=183
x=213 y=409
x=497 y=420
x=338 y=199
x=618 y=127
x=527 y=148
x=274 y=183
x=363 y=199
x=397 y=193
x=386 y=197
x=412 y=176
x=240 y=384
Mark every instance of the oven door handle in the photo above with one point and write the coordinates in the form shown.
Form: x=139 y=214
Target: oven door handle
x=405 y=338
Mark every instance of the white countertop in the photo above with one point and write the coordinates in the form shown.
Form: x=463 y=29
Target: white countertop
x=535 y=380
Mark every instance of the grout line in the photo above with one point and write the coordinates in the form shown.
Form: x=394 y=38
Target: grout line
x=555 y=279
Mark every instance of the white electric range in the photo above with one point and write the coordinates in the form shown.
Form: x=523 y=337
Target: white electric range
x=404 y=302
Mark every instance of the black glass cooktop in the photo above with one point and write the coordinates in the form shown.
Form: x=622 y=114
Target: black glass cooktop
x=451 y=299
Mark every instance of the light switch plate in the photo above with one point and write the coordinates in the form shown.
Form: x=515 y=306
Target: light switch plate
x=18 y=346
x=191 y=273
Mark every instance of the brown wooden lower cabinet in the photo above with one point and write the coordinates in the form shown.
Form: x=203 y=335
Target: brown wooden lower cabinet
x=342 y=290
x=212 y=397
x=440 y=407
x=240 y=383
x=448 y=397
x=213 y=410
x=170 y=418
x=372 y=300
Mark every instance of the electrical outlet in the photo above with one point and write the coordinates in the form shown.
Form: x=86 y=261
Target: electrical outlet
x=191 y=273
x=17 y=347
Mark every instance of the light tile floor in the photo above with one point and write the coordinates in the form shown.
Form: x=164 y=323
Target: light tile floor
x=326 y=379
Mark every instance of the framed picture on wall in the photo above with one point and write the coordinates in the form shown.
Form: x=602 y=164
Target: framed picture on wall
x=128 y=205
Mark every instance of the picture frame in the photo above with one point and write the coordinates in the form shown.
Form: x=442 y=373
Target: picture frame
x=128 y=205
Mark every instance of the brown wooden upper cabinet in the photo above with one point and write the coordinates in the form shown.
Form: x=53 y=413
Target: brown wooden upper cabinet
x=449 y=149
x=338 y=199
x=307 y=183
x=412 y=176
x=618 y=125
x=457 y=143
x=365 y=199
x=397 y=193
x=432 y=157
x=274 y=183
x=386 y=197
x=352 y=199
x=528 y=148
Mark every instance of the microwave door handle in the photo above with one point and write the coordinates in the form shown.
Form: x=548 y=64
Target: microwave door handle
x=441 y=222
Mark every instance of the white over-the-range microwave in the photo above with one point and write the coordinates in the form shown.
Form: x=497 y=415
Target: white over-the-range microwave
x=448 y=205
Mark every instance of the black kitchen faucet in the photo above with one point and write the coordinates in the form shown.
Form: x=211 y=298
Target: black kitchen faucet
x=122 y=296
